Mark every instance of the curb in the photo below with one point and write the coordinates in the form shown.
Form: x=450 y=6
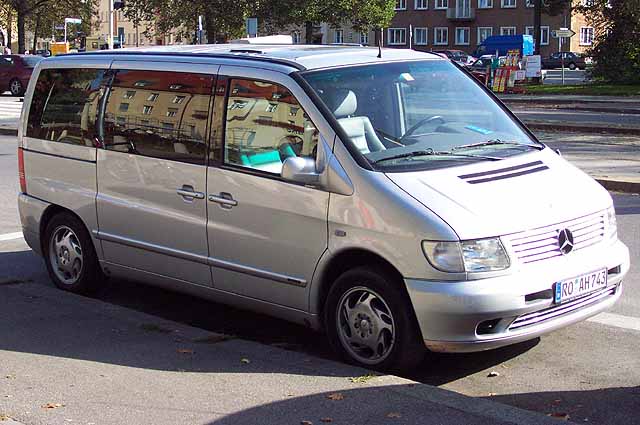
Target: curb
x=584 y=128
x=8 y=131
x=620 y=186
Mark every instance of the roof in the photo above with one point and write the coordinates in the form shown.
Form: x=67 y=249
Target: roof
x=298 y=56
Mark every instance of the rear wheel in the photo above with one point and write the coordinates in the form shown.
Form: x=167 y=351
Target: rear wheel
x=369 y=321
x=70 y=256
x=572 y=66
x=16 y=87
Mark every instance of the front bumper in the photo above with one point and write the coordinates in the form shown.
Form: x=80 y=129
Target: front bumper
x=489 y=313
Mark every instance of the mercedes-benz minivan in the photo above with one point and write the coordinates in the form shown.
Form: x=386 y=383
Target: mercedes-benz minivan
x=385 y=197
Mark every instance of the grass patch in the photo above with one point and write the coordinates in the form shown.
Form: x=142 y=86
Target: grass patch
x=597 y=89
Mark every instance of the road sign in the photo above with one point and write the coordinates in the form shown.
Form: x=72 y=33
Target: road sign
x=72 y=21
x=563 y=33
x=252 y=27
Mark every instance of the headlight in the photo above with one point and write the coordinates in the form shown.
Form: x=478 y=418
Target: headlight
x=482 y=255
x=611 y=224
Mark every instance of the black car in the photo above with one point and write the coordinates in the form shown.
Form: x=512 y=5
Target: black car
x=571 y=61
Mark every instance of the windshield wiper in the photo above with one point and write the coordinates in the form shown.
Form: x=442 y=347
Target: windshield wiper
x=389 y=137
x=431 y=152
x=493 y=142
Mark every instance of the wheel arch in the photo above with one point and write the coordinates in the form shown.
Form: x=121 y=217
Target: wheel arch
x=50 y=212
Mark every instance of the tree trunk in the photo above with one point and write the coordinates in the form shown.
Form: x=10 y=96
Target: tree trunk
x=211 y=29
x=21 y=33
x=35 y=34
x=308 y=32
x=537 y=21
x=9 y=26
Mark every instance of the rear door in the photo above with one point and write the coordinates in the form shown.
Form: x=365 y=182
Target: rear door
x=152 y=173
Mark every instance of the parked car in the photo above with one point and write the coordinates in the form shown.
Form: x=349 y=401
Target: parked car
x=15 y=72
x=457 y=55
x=43 y=52
x=571 y=61
x=393 y=203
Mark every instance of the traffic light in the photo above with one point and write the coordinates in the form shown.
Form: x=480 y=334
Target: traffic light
x=118 y=4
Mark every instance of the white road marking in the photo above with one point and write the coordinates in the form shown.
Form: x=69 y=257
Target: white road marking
x=11 y=236
x=617 y=320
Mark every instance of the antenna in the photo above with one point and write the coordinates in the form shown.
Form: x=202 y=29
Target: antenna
x=380 y=44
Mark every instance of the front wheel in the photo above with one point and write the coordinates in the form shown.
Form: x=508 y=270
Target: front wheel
x=16 y=87
x=572 y=66
x=369 y=321
x=70 y=256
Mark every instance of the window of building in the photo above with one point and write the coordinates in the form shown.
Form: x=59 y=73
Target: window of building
x=271 y=107
x=508 y=4
x=401 y=4
x=338 y=36
x=442 y=4
x=146 y=131
x=421 y=4
x=441 y=36
x=484 y=33
x=364 y=38
x=530 y=3
x=152 y=97
x=65 y=104
x=263 y=143
x=420 y=37
x=485 y=4
x=397 y=36
x=507 y=30
x=586 y=36
x=124 y=107
x=544 y=34
x=129 y=94
x=462 y=36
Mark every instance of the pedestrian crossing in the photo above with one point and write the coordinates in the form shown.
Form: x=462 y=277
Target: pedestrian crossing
x=10 y=109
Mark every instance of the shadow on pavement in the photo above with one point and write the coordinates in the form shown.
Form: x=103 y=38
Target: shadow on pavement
x=627 y=205
x=610 y=406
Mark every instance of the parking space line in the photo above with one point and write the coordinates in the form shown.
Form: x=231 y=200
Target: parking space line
x=617 y=320
x=11 y=236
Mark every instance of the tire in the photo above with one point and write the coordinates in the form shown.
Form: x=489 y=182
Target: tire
x=572 y=66
x=70 y=256
x=390 y=325
x=16 y=87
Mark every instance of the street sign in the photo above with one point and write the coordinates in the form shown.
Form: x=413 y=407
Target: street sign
x=59 y=27
x=563 y=33
x=72 y=21
x=252 y=27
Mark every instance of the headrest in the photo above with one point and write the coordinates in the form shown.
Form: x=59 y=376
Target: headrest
x=344 y=103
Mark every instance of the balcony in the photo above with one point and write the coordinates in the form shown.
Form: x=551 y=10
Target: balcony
x=461 y=14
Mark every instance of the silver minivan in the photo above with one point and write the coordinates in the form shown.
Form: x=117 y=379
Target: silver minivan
x=383 y=196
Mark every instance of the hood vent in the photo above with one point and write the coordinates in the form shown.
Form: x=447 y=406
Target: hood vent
x=504 y=173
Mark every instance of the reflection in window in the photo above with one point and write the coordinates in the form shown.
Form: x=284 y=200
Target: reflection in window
x=124 y=107
x=129 y=94
x=179 y=96
x=65 y=104
x=259 y=141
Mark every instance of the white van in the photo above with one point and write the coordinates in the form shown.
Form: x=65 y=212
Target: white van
x=383 y=196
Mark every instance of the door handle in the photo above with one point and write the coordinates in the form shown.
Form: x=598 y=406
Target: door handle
x=224 y=199
x=188 y=192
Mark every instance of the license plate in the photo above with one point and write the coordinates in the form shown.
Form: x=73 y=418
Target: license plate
x=575 y=287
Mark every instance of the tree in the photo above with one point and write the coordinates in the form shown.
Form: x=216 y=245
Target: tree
x=28 y=11
x=615 y=49
x=549 y=8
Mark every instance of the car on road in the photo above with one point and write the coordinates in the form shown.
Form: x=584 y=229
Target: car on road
x=392 y=202
x=15 y=72
x=457 y=55
x=571 y=61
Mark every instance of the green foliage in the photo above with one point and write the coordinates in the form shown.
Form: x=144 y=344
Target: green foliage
x=616 y=51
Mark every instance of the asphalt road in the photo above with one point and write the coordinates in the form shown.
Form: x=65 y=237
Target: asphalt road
x=554 y=76
x=589 y=372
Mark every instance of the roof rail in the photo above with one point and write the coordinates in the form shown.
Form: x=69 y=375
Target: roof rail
x=240 y=53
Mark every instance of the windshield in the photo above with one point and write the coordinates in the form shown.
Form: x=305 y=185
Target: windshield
x=418 y=115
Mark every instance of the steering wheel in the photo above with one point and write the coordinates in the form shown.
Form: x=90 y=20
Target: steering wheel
x=419 y=124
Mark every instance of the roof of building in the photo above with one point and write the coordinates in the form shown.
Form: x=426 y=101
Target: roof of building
x=297 y=56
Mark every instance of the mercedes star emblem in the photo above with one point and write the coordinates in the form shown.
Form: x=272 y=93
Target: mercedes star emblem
x=565 y=241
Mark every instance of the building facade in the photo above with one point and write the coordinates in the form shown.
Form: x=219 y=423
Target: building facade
x=463 y=24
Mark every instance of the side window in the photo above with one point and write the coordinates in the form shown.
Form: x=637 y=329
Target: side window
x=65 y=105
x=159 y=114
x=264 y=126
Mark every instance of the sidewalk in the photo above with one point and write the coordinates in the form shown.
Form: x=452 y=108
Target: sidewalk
x=69 y=359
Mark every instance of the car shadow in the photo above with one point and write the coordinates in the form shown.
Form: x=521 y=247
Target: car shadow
x=27 y=293
x=626 y=204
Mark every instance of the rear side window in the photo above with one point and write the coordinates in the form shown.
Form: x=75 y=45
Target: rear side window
x=65 y=104
x=159 y=114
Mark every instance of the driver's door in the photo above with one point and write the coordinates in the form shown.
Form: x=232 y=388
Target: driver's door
x=266 y=234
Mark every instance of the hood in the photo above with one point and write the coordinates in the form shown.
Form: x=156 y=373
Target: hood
x=498 y=198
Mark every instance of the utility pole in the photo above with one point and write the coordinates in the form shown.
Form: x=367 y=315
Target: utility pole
x=537 y=22
x=110 y=41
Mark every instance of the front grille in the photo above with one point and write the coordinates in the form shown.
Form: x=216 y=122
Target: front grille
x=542 y=243
x=540 y=316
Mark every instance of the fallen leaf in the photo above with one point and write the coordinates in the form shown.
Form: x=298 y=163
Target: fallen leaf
x=52 y=405
x=493 y=374
x=290 y=395
x=335 y=396
x=326 y=420
x=185 y=351
x=362 y=379
x=306 y=423
x=245 y=360
x=559 y=415
x=394 y=415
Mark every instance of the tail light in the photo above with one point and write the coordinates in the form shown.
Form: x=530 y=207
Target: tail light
x=21 y=175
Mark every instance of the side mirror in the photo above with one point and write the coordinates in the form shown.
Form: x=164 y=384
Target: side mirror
x=300 y=170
